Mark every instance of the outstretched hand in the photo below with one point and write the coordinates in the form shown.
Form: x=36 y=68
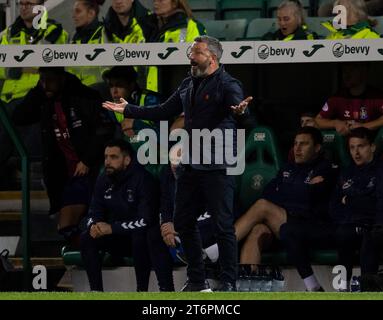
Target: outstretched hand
x=241 y=107
x=115 y=107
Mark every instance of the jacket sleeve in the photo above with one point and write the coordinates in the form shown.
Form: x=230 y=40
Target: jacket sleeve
x=29 y=110
x=167 y=182
x=97 y=209
x=92 y=153
x=147 y=208
x=379 y=197
x=165 y=111
x=337 y=209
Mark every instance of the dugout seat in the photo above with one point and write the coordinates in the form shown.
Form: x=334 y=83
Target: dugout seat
x=263 y=160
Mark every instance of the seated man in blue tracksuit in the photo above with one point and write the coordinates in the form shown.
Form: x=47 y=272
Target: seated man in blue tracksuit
x=299 y=195
x=357 y=203
x=123 y=217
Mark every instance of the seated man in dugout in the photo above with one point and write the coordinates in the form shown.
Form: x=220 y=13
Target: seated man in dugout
x=357 y=205
x=355 y=105
x=300 y=192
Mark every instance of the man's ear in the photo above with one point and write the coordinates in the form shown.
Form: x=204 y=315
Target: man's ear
x=373 y=147
x=127 y=160
x=318 y=148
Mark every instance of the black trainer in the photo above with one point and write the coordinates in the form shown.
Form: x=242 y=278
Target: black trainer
x=227 y=287
x=196 y=287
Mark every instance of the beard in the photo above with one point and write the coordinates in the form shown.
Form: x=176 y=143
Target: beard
x=113 y=173
x=199 y=70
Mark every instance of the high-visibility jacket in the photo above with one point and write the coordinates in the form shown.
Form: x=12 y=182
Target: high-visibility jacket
x=18 y=34
x=361 y=30
x=179 y=28
x=302 y=33
x=114 y=32
x=91 y=34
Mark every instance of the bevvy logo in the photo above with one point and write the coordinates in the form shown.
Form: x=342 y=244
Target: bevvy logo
x=120 y=54
x=49 y=55
x=265 y=51
x=340 y=49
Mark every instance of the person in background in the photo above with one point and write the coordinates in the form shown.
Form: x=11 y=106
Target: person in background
x=359 y=26
x=89 y=30
x=356 y=204
x=73 y=136
x=171 y=21
x=291 y=22
x=355 y=105
x=16 y=82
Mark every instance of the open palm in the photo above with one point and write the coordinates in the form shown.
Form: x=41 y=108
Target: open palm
x=116 y=107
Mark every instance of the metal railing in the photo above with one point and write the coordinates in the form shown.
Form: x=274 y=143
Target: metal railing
x=25 y=188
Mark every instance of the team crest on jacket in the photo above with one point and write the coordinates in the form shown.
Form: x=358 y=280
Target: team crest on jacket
x=108 y=193
x=309 y=177
x=347 y=184
x=286 y=174
x=130 y=195
x=371 y=183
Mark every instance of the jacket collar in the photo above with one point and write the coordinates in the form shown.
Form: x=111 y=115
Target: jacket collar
x=85 y=33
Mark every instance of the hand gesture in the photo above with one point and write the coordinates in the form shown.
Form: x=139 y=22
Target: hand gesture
x=115 y=107
x=241 y=107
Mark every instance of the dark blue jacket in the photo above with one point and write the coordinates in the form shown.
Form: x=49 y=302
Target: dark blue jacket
x=129 y=203
x=206 y=108
x=291 y=190
x=363 y=188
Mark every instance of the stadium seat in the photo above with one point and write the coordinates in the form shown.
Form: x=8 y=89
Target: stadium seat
x=242 y=9
x=272 y=6
x=336 y=145
x=315 y=24
x=263 y=161
x=259 y=27
x=204 y=9
x=226 y=30
x=74 y=258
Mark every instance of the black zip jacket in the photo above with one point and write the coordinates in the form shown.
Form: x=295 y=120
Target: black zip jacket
x=129 y=202
x=362 y=190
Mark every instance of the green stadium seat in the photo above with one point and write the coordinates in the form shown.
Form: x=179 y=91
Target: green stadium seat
x=242 y=9
x=263 y=161
x=73 y=258
x=257 y=28
x=336 y=145
x=204 y=9
x=315 y=24
x=272 y=6
x=226 y=30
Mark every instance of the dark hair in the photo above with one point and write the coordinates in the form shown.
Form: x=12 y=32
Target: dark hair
x=315 y=134
x=124 y=146
x=93 y=4
x=361 y=133
x=213 y=45
x=126 y=73
x=54 y=70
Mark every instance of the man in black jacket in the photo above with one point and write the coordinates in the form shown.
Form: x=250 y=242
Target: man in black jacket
x=210 y=99
x=73 y=138
x=124 y=210
x=357 y=204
